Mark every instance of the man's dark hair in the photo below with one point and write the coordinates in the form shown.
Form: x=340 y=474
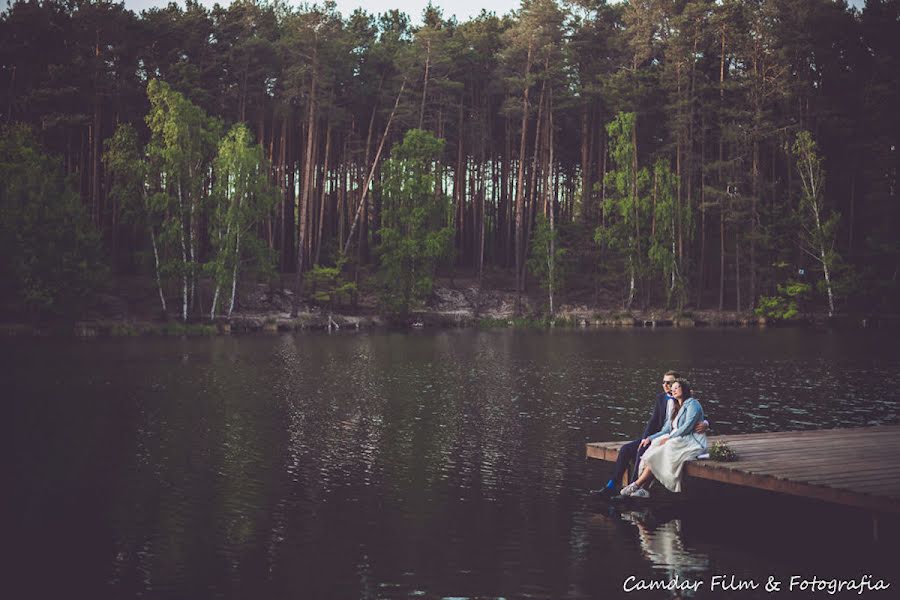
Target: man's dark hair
x=673 y=374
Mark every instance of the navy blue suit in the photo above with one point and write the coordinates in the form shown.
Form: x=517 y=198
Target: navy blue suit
x=632 y=450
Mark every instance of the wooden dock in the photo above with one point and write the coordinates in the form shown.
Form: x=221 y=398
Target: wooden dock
x=857 y=467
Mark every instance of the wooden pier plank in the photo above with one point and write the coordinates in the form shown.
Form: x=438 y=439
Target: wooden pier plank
x=857 y=467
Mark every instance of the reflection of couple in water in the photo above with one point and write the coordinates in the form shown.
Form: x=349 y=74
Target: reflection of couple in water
x=663 y=545
x=675 y=433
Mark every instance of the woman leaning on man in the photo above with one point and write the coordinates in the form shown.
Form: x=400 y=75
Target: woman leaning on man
x=674 y=444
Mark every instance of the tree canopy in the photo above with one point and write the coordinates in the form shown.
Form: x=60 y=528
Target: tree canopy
x=659 y=137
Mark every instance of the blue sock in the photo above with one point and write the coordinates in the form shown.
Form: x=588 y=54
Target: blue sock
x=610 y=484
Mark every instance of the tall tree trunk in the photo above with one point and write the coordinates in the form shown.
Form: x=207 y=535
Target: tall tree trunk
x=234 y=272
x=324 y=190
x=701 y=265
x=635 y=262
x=459 y=189
x=281 y=177
x=532 y=197
x=162 y=297
x=504 y=211
x=520 y=192
x=304 y=197
x=721 y=178
x=184 y=256
x=368 y=181
x=754 y=219
x=481 y=187
x=550 y=200
x=737 y=270
x=586 y=206
x=96 y=138
x=679 y=153
x=425 y=85
x=721 y=256
x=852 y=223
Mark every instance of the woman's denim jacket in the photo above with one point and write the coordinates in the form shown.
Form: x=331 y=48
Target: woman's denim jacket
x=692 y=414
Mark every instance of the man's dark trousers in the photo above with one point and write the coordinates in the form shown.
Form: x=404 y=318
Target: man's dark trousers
x=627 y=453
x=632 y=450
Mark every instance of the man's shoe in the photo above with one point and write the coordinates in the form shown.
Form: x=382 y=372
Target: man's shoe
x=606 y=492
x=640 y=493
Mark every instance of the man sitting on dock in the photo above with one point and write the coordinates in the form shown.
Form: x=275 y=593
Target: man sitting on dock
x=632 y=451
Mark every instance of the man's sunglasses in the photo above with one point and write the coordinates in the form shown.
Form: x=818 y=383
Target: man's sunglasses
x=668 y=382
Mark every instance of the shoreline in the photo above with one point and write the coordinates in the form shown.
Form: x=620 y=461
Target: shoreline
x=266 y=309
x=324 y=321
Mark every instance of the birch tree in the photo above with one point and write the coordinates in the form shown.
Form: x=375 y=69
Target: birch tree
x=546 y=261
x=626 y=211
x=817 y=220
x=242 y=197
x=670 y=221
x=182 y=144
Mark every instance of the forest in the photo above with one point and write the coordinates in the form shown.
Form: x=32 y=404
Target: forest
x=735 y=155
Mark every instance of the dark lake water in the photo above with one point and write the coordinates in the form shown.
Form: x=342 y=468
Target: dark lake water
x=428 y=465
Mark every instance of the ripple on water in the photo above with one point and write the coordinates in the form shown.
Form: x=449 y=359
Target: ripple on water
x=435 y=465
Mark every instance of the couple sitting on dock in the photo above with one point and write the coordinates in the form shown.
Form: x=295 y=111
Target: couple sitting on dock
x=675 y=433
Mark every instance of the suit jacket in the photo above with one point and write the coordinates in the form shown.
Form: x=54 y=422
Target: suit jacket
x=658 y=418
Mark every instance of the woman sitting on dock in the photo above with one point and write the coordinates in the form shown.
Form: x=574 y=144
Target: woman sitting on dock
x=675 y=443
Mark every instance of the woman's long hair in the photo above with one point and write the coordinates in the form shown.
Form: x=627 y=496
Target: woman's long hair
x=685 y=394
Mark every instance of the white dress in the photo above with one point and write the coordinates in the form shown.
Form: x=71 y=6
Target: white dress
x=666 y=461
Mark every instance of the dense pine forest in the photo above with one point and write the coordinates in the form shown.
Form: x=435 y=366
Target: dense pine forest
x=731 y=155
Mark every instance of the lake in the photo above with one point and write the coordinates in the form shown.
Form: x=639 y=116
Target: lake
x=445 y=464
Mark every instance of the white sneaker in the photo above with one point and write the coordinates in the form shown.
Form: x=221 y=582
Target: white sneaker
x=640 y=493
x=629 y=490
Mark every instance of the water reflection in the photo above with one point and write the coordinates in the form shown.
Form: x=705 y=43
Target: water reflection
x=385 y=465
x=663 y=546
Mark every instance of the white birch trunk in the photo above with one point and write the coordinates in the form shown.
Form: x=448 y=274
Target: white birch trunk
x=551 y=278
x=184 y=258
x=631 y=286
x=191 y=246
x=237 y=257
x=824 y=260
x=192 y=272
x=828 y=286
x=674 y=263
x=814 y=189
x=212 y=312
x=162 y=297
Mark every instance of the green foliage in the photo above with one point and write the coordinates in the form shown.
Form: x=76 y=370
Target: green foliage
x=845 y=280
x=667 y=217
x=785 y=305
x=818 y=221
x=626 y=210
x=52 y=255
x=183 y=142
x=547 y=260
x=128 y=171
x=327 y=285
x=176 y=329
x=414 y=236
x=518 y=322
x=242 y=196
x=718 y=87
x=125 y=164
